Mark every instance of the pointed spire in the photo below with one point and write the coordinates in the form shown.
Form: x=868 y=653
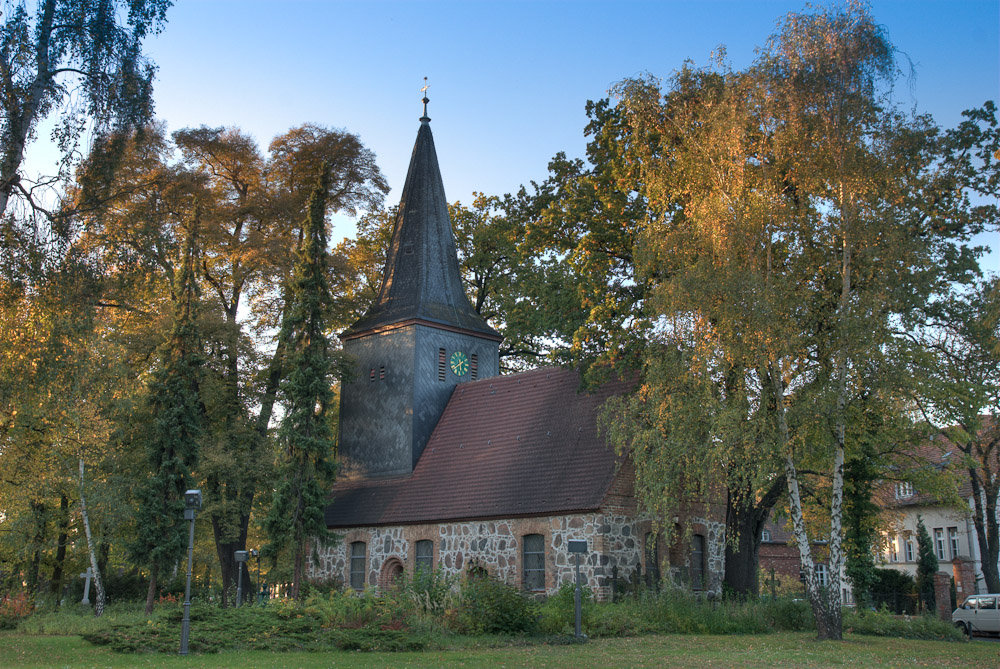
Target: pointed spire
x=421 y=280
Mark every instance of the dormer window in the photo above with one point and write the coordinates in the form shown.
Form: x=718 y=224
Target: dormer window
x=904 y=490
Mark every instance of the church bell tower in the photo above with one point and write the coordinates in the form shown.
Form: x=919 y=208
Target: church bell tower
x=418 y=340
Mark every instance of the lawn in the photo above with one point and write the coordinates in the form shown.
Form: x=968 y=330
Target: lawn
x=771 y=650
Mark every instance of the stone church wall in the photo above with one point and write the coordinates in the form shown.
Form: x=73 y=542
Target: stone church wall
x=615 y=542
x=497 y=545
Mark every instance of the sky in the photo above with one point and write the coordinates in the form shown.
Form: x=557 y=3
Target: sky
x=508 y=80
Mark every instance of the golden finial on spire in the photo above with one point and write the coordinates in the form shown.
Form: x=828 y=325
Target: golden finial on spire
x=425 y=118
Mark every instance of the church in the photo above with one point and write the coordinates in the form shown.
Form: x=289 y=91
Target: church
x=445 y=464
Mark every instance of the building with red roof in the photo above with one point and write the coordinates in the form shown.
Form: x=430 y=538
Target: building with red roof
x=445 y=463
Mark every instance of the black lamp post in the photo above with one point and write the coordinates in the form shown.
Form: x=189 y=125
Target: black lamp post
x=241 y=559
x=578 y=548
x=192 y=503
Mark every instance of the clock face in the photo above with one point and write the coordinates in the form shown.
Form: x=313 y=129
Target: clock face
x=459 y=363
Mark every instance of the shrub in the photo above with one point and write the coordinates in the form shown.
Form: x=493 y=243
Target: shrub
x=429 y=591
x=14 y=608
x=905 y=627
x=488 y=605
x=558 y=613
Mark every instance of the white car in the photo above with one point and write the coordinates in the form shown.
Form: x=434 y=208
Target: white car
x=978 y=614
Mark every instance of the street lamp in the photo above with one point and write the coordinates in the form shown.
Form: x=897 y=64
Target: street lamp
x=192 y=503
x=255 y=553
x=578 y=548
x=241 y=559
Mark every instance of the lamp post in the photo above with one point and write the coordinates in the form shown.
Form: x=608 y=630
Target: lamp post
x=192 y=503
x=578 y=547
x=241 y=559
x=256 y=554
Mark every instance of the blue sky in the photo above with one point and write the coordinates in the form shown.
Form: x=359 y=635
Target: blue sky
x=509 y=80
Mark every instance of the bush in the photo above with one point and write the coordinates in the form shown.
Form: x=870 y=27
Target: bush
x=488 y=605
x=14 y=608
x=558 y=613
x=280 y=626
x=905 y=627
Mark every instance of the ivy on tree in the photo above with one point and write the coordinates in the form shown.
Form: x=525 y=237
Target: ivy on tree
x=306 y=464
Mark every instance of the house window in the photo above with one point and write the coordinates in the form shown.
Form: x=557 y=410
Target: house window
x=893 y=555
x=534 y=562
x=474 y=366
x=822 y=575
x=939 y=542
x=698 y=562
x=909 y=549
x=358 y=565
x=765 y=536
x=652 y=560
x=442 y=365
x=953 y=541
x=904 y=489
x=424 y=559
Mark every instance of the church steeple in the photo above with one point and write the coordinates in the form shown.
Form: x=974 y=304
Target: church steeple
x=418 y=340
x=421 y=280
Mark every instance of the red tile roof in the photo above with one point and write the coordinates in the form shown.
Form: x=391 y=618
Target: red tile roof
x=520 y=445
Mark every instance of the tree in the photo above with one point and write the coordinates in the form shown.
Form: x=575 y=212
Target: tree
x=306 y=467
x=82 y=60
x=783 y=194
x=956 y=360
x=176 y=426
x=252 y=210
x=927 y=565
x=959 y=394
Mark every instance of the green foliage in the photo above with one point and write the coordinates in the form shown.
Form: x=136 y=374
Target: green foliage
x=558 y=611
x=927 y=565
x=902 y=627
x=487 y=605
x=675 y=611
x=307 y=466
x=893 y=580
x=176 y=412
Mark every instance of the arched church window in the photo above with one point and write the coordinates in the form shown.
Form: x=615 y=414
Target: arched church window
x=424 y=558
x=358 y=566
x=534 y=562
x=698 y=562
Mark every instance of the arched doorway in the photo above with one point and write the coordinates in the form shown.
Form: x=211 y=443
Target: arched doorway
x=392 y=569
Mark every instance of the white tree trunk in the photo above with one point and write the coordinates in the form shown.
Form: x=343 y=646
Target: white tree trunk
x=98 y=583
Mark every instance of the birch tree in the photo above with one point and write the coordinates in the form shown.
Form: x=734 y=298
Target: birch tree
x=797 y=229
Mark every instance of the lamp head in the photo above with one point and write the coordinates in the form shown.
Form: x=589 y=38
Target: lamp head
x=192 y=500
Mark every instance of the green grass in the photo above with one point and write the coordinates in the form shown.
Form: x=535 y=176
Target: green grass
x=787 y=649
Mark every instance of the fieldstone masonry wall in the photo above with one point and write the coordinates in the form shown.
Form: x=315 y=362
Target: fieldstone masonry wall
x=615 y=546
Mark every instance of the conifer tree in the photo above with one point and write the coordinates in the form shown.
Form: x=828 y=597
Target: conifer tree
x=306 y=466
x=176 y=413
x=927 y=565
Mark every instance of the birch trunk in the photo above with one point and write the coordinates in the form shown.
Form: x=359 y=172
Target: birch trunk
x=98 y=583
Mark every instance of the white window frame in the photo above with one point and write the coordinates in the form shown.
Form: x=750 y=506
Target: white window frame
x=904 y=489
x=822 y=575
x=939 y=543
x=953 y=542
x=909 y=549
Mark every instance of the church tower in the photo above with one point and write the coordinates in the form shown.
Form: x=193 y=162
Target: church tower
x=418 y=340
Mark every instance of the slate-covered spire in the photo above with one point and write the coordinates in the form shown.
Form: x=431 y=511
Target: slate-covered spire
x=421 y=280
